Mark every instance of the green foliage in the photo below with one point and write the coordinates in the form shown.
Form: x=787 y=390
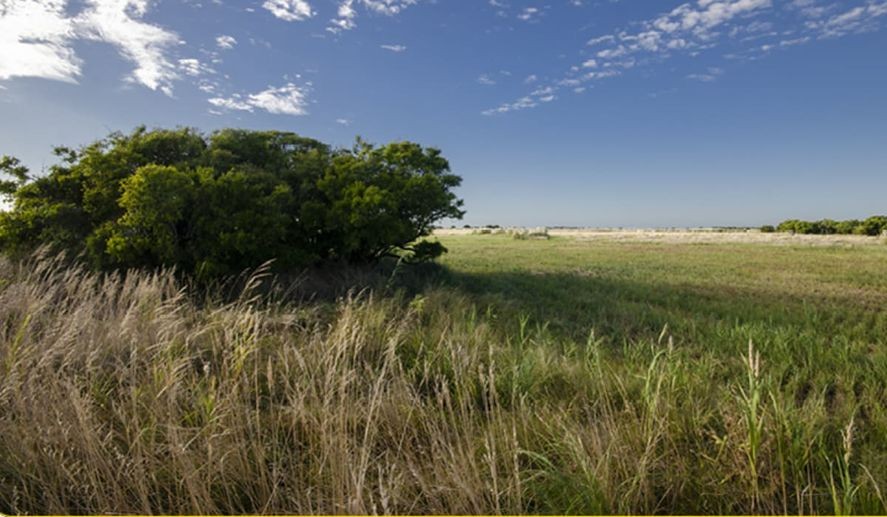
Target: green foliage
x=425 y=251
x=875 y=225
x=12 y=168
x=236 y=199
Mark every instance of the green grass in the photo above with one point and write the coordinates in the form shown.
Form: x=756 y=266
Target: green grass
x=816 y=314
x=519 y=376
x=629 y=290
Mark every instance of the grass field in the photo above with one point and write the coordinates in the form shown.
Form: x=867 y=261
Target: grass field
x=570 y=375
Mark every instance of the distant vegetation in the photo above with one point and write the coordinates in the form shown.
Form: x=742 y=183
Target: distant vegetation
x=215 y=205
x=873 y=226
x=520 y=234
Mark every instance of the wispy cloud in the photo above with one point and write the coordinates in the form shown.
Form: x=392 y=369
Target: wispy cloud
x=486 y=80
x=708 y=76
x=699 y=26
x=290 y=99
x=862 y=18
x=118 y=22
x=395 y=48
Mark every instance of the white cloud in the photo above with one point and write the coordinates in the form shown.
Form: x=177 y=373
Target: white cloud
x=394 y=48
x=194 y=68
x=520 y=104
x=34 y=38
x=793 y=42
x=345 y=20
x=289 y=10
x=528 y=14
x=387 y=7
x=486 y=80
x=611 y=53
x=225 y=42
x=289 y=99
x=343 y=121
x=347 y=11
x=600 y=40
x=207 y=86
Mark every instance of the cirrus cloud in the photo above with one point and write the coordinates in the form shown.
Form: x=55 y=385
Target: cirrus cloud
x=695 y=27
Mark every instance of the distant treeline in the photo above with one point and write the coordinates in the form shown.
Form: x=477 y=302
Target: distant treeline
x=875 y=225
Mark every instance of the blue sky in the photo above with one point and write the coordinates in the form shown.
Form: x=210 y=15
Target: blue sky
x=554 y=112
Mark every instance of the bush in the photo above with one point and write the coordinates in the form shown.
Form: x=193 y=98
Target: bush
x=768 y=228
x=233 y=200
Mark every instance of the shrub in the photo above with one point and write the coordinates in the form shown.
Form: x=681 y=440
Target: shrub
x=768 y=228
x=874 y=225
x=233 y=200
x=529 y=233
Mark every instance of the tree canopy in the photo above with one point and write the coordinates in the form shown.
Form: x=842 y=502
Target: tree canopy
x=234 y=199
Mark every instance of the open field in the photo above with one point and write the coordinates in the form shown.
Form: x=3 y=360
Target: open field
x=694 y=235
x=627 y=285
x=598 y=374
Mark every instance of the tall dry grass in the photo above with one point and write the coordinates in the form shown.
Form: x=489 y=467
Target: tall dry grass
x=133 y=394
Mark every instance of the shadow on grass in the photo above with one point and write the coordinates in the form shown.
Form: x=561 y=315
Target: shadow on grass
x=573 y=304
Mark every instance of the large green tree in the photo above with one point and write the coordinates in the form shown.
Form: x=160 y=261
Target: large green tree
x=217 y=204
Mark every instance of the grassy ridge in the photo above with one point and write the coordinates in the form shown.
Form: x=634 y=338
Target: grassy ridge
x=530 y=377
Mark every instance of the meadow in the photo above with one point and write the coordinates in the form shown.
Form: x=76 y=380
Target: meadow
x=576 y=374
